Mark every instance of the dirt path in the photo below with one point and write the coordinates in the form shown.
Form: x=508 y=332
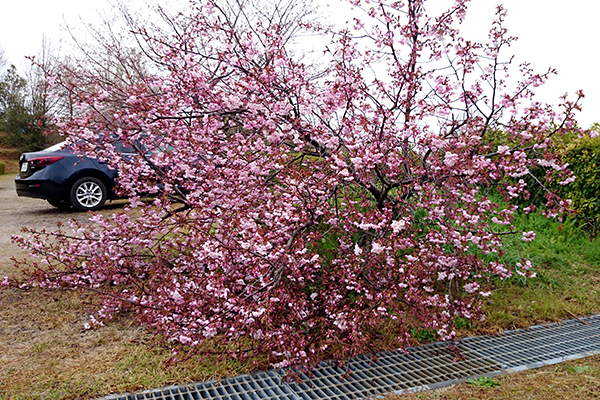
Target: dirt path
x=44 y=350
x=17 y=212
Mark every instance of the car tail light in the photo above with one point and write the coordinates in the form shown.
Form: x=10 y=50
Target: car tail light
x=41 y=161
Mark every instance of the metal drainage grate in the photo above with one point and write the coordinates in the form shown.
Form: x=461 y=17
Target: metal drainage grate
x=418 y=368
x=261 y=385
x=540 y=345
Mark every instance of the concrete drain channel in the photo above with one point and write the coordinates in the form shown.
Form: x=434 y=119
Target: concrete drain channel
x=417 y=368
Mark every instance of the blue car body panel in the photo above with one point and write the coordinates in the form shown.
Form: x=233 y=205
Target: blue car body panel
x=54 y=181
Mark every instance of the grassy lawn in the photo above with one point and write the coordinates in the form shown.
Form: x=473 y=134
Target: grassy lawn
x=567 y=284
x=46 y=354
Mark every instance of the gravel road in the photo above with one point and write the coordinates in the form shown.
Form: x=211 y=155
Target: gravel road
x=16 y=212
x=44 y=350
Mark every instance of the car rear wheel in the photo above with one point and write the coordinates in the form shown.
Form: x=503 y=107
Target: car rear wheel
x=60 y=204
x=88 y=194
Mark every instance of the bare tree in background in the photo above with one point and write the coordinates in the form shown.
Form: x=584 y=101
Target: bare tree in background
x=3 y=59
x=28 y=103
x=46 y=102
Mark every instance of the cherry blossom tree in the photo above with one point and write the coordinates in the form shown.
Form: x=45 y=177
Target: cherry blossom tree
x=297 y=208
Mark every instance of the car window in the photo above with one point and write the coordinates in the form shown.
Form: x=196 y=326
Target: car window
x=56 y=147
x=121 y=148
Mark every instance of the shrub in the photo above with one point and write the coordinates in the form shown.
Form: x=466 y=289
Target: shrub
x=300 y=208
x=583 y=156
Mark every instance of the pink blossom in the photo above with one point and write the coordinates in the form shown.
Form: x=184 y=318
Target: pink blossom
x=357 y=250
x=528 y=236
x=377 y=248
x=397 y=226
x=503 y=149
x=450 y=159
x=471 y=287
x=526 y=135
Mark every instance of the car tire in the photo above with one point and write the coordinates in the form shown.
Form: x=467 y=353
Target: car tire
x=60 y=204
x=88 y=194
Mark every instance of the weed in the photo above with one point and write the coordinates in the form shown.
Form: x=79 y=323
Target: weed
x=40 y=347
x=484 y=382
x=463 y=323
x=423 y=334
x=578 y=369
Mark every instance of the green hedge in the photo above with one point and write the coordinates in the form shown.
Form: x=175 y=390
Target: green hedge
x=583 y=156
x=2 y=167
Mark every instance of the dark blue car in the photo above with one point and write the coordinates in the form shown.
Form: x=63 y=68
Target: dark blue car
x=65 y=179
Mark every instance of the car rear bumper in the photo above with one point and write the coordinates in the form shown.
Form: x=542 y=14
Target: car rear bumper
x=41 y=189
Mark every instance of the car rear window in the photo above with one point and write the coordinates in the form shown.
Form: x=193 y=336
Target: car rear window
x=121 y=148
x=57 y=146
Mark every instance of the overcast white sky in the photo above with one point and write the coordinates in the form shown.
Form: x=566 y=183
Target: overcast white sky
x=552 y=33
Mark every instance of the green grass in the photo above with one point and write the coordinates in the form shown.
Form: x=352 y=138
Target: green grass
x=567 y=263
x=423 y=334
x=483 y=382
